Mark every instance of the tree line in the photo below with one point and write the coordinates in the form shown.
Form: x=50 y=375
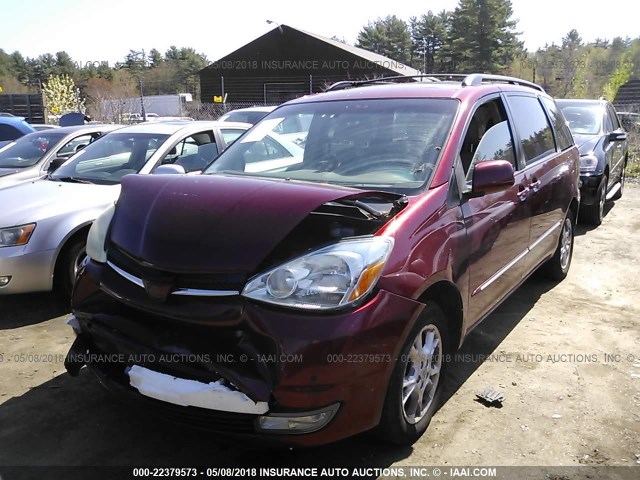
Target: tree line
x=92 y=82
x=481 y=36
x=476 y=36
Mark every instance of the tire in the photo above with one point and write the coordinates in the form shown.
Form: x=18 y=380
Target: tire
x=558 y=266
x=619 y=193
x=67 y=266
x=594 y=214
x=402 y=423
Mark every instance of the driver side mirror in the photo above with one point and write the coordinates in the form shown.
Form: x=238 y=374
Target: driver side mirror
x=617 y=136
x=491 y=176
x=55 y=164
x=169 y=169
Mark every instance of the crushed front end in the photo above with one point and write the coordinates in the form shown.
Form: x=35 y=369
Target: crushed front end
x=187 y=343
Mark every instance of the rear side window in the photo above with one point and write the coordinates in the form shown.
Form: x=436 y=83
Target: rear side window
x=563 y=134
x=533 y=128
x=230 y=135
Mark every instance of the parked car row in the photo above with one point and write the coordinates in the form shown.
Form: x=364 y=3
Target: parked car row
x=43 y=235
x=301 y=280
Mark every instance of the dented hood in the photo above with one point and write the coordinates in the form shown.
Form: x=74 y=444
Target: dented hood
x=211 y=223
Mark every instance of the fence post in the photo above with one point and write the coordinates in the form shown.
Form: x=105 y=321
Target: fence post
x=222 y=84
x=310 y=84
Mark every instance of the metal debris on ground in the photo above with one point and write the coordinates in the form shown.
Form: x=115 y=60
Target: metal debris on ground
x=491 y=397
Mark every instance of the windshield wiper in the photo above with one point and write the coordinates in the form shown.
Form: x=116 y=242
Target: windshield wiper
x=69 y=179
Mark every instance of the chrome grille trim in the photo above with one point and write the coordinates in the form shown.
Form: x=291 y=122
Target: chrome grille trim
x=194 y=292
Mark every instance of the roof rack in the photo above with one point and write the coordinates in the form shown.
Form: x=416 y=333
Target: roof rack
x=358 y=83
x=467 y=80
x=476 y=79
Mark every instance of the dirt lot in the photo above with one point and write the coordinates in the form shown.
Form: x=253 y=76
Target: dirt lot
x=566 y=356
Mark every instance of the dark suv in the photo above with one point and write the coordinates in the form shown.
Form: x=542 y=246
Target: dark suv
x=603 y=153
x=314 y=297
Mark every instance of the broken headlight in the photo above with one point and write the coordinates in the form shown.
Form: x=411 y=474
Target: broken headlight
x=331 y=277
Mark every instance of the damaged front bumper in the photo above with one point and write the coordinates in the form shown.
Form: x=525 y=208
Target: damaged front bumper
x=242 y=369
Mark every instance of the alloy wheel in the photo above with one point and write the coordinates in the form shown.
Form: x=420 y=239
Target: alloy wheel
x=603 y=199
x=422 y=373
x=566 y=244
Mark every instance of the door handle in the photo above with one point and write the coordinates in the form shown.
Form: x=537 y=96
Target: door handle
x=535 y=185
x=523 y=193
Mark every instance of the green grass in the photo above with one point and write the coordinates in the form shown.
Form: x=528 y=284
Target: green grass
x=633 y=168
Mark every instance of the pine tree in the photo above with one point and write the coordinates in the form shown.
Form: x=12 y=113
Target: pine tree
x=387 y=36
x=428 y=35
x=482 y=37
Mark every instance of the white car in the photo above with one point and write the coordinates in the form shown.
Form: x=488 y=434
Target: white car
x=246 y=115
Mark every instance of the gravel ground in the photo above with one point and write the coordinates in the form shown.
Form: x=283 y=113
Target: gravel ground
x=566 y=356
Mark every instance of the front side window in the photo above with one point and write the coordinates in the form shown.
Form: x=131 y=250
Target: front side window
x=194 y=152
x=488 y=137
x=495 y=144
x=533 y=128
x=387 y=144
x=28 y=150
x=75 y=145
x=111 y=157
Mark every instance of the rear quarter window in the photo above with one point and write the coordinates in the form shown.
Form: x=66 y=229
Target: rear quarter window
x=532 y=126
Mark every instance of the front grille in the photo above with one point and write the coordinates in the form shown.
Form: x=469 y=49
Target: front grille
x=200 y=281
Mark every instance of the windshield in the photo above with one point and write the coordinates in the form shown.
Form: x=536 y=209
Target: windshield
x=28 y=150
x=583 y=118
x=390 y=144
x=111 y=157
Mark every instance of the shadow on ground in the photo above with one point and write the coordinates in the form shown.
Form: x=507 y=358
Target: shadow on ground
x=487 y=336
x=28 y=309
x=583 y=228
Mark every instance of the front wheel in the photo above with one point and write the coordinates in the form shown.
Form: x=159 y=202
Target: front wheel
x=68 y=265
x=413 y=394
x=558 y=265
x=595 y=213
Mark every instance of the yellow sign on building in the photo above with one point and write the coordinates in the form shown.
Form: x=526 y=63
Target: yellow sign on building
x=217 y=99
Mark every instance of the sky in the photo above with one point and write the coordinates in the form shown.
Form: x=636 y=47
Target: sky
x=106 y=31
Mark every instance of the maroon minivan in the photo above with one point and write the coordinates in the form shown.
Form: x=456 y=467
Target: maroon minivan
x=308 y=293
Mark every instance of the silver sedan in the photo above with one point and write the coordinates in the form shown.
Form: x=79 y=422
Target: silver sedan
x=44 y=226
x=31 y=156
